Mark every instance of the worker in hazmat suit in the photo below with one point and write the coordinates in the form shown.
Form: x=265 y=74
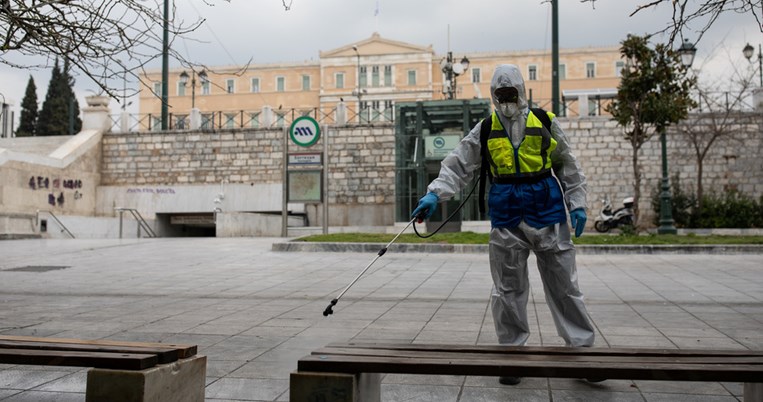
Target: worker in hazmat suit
x=535 y=180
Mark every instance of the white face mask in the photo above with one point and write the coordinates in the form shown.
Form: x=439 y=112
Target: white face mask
x=508 y=109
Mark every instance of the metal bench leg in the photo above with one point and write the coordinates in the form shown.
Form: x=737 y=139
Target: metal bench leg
x=181 y=381
x=753 y=391
x=334 y=387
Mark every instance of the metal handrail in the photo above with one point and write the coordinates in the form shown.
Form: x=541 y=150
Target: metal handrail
x=61 y=224
x=141 y=222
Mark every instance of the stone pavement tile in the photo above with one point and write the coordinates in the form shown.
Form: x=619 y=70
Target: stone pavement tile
x=628 y=330
x=422 y=393
x=503 y=394
x=200 y=340
x=76 y=382
x=575 y=384
x=222 y=368
x=699 y=331
x=278 y=369
x=26 y=379
x=387 y=335
x=40 y=396
x=682 y=387
x=4 y=393
x=423 y=379
x=640 y=341
x=246 y=389
x=706 y=343
x=594 y=396
x=656 y=397
x=447 y=336
x=734 y=388
x=492 y=382
x=269 y=331
x=141 y=336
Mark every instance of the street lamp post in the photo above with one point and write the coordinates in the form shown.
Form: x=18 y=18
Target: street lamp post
x=451 y=71
x=195 y=116
x=358 y=92
x=687 y=52
x=748 y=51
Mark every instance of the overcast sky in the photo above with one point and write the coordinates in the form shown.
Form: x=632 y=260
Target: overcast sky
x=263 y=31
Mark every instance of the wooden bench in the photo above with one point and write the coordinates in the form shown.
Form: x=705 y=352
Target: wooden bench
x=120 y=371
x=353 y=370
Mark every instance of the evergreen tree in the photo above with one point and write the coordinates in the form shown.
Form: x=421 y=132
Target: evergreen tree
x=71 y=98
x=54 y=116
x=29 y=112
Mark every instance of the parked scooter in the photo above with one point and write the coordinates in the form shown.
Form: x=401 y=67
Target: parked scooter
x=610 y=220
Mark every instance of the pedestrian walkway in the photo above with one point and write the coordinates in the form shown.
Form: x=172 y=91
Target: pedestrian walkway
x=254 y=312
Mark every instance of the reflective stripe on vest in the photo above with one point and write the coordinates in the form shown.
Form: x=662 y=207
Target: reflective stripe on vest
x=532 y=156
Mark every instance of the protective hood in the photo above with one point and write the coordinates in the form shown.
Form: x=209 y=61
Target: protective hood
x=508 y=75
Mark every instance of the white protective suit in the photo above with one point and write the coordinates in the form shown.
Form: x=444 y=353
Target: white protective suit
x=509 y=247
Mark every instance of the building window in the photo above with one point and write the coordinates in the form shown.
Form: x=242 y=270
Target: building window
x=590 y=70
x=593 y=107
x=532 y=72
x=158 y=88
x=476 y=75
x=156 y=124
x=205 y=87
x=619 y=65
x=255 y=85
x=375 y=76
x=207 y=122
x=375 y=111
x=254 y=120
x=305 y=82
x=387 y=76
x=180 y=121
x=280 y=119
x=339 y=78
x=230 y=120
x=562 y=71
x=411 y=78
x=280 y=84
x=362 y=79
x=181 y=89
x=363 y=113
x=388 y=109
x=230 y=86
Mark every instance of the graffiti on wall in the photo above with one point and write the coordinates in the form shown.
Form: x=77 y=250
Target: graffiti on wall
x=150 y=190
x=55 y=186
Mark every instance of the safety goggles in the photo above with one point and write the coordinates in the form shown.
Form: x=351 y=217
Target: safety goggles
x=507 y=95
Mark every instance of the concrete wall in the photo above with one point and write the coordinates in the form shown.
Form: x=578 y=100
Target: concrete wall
x=361 y=172
x=184 y=172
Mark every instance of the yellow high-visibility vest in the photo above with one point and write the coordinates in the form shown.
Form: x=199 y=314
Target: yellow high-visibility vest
x=531 y=158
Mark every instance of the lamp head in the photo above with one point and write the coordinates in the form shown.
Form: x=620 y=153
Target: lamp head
x=183 y=78
x=747 y=51
x=687 y=52
x=203 y=76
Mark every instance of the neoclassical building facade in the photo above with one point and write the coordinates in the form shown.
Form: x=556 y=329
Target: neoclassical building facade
x=362 y=81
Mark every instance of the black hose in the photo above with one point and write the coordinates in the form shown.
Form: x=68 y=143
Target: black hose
x=449 y=217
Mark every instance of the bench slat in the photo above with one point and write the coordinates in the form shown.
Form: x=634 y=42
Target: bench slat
x=530 y=368
x=165 y=355
x=183 y=351
x=546 y=350
x=125 y=361
x=504 y=356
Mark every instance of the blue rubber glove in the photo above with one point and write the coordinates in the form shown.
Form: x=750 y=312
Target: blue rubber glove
x=427 y=206
x=577 y=220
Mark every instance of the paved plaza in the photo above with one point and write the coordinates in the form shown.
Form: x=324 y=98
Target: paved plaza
x=254 y=312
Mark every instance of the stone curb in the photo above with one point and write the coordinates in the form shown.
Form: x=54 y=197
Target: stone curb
x=483 y=248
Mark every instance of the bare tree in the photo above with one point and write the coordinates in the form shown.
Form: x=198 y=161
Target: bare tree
x=697 y=16
x=103 y=39
x=723 y=115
